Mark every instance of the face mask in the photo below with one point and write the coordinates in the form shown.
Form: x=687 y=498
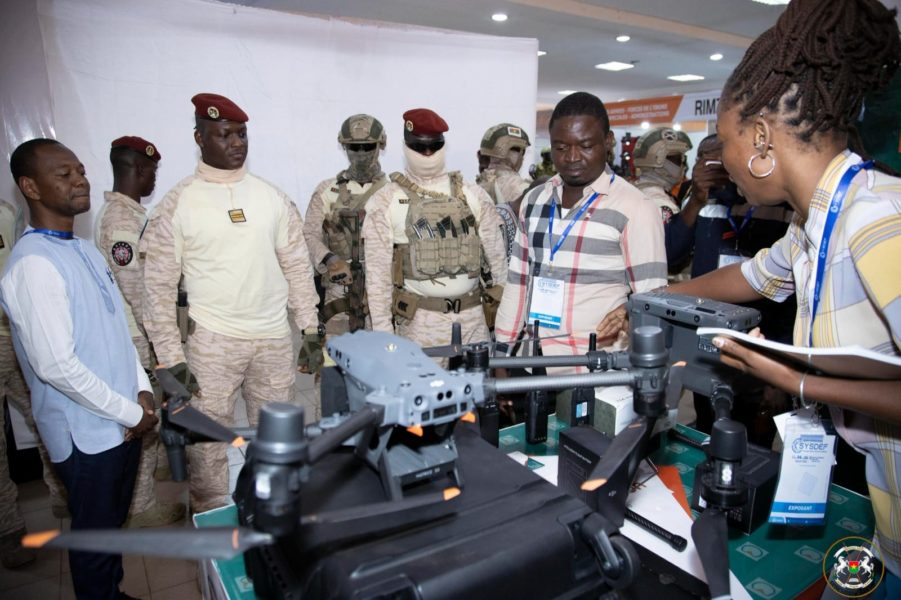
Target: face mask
x=422 y=166
x=364 y=166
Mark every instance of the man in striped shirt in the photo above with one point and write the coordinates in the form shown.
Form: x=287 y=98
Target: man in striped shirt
x=589 y=238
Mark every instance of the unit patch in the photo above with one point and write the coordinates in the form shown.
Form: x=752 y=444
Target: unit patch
x=237 y=215
x=122 y=253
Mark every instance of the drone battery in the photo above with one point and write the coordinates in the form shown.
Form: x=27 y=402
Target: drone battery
x=580 y=449
x=760 y=471
x=536 y=416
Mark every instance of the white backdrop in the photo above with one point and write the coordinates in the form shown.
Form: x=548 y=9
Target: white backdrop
x=130 y=67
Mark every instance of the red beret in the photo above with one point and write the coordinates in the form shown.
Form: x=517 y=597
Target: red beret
x=139 y=145
x=214 y=107
x=422 y=121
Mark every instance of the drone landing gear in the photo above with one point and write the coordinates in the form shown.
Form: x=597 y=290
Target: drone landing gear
x=400 y=467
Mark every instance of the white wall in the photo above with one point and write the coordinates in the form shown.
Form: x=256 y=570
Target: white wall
x=130 y=67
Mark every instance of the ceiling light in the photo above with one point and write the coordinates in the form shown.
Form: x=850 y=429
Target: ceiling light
x=645 y=125
x=620 y=99
x=566 y=92
x=716 y=56
x=499 y=17
x=614 y=65
x=686 y=77
x=677 y=126
x=541 y=53
x=772 y=2
x=623 y=38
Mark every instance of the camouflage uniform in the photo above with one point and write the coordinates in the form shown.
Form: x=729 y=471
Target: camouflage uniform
x=238 y=242
x=656 y=174
x=505 y=144
x=385 y=227
x=14 y=389
x=118 y=231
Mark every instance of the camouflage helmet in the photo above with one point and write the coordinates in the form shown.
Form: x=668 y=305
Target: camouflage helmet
x=653 y=147
x=362 y=129
x=500 y=139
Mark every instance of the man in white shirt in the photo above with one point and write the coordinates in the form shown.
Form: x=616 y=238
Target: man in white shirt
x=90 y=396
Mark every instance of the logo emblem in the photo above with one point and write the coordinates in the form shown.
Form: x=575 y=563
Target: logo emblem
x=514 y=131
x=122 y=253
x=150 y=150
x=213 y=112
x=408 y=125
x=851 y=567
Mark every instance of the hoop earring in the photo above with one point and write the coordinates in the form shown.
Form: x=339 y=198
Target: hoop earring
x=761 y=175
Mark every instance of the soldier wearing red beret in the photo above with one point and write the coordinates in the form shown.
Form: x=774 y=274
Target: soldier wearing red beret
x=426 y=233
x=238 y=243
x=117 y=234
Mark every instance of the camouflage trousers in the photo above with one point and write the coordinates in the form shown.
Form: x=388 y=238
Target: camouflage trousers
x=264 y=372
x=430 y=328
x=144 y=496
x=12 y=386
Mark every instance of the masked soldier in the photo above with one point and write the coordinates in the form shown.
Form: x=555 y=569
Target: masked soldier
x=545 y=168
x=118 y=230
x=334 y=220
x=238 y=242
x=426 y=235
x=505 y=146
x=660 y=157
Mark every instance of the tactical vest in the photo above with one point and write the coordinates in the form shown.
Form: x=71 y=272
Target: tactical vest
x=341 y=226
x=442 y=233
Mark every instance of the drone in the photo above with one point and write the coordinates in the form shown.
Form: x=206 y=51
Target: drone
x=397 y=470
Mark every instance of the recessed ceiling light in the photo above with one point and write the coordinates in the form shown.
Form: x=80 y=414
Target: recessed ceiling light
x=620 y=99
x=623 y=38
x=499 y=17
x=677 y=126
x=716 y=56
x=566 y=92
x=686 y=77
x=541 y=53
x=645 y=125
x=614 y=65
x=772 y=2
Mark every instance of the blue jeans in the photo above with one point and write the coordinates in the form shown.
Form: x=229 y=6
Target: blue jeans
x=100 y=488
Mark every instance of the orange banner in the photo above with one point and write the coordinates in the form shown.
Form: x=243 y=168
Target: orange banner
x=652 y=110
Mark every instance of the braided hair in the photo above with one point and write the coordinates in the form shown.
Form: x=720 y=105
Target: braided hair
x=814 y=66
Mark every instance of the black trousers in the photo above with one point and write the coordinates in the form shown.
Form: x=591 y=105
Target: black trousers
x=100 y=488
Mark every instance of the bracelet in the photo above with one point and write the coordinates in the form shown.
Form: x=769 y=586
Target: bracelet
x=801 y=393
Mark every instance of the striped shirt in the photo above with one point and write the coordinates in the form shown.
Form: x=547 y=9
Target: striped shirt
x=615 y=249
x=860 y=305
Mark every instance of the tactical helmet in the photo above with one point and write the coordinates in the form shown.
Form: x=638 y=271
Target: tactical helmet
x=500 y=139
x=653 y=147
x=362 y=129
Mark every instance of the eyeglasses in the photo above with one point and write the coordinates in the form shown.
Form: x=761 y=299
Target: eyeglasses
x=361 y=147
x=423 y=147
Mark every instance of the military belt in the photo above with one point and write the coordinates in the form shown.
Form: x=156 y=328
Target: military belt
x=452 y=305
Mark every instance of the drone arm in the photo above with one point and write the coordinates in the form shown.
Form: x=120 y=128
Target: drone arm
x=516 y=385
x=368 y=416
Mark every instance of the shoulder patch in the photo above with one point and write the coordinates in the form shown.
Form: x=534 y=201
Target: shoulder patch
x=122 y=253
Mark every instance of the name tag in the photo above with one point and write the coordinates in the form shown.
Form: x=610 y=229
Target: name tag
x=547 y=302
x=237 y=215
x=730 y=256
x=804 y=474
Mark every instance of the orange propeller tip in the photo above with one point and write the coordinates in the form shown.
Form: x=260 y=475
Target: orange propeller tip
x=681 y=363
x=415 y=430
x=592 y=484
x=451 y=493
x=469 y=417
x=238 y=442
x=37 y=540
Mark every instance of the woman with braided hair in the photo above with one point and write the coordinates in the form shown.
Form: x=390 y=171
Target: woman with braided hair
x=787 y=124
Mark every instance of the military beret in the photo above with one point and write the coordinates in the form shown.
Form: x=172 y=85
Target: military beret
x=139 y=145
x=214 y=107
x=422 y=121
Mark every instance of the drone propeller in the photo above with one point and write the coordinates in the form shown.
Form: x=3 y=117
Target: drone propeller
x=213 y=542
x=181 y=413
x=711 y=540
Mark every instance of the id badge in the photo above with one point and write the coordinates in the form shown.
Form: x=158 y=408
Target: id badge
x=547 y=302
x=804 y=474
x=729 y=256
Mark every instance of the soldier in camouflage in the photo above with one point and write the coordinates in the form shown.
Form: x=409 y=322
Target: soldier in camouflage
x=545 y=168
x=505 y=146
x=238 y=242
x=333 y=223
x=660 y=160
x=426 y=234
x=117 y=234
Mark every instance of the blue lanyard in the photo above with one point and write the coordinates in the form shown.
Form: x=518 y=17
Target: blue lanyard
x=550 y=221
x=63 y=235
x=835 y=206
x=744 y=222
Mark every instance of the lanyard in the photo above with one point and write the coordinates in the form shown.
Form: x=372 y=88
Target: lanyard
x=835 y=206
x=63 y=235
x=737 y=230
x=573 y=221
